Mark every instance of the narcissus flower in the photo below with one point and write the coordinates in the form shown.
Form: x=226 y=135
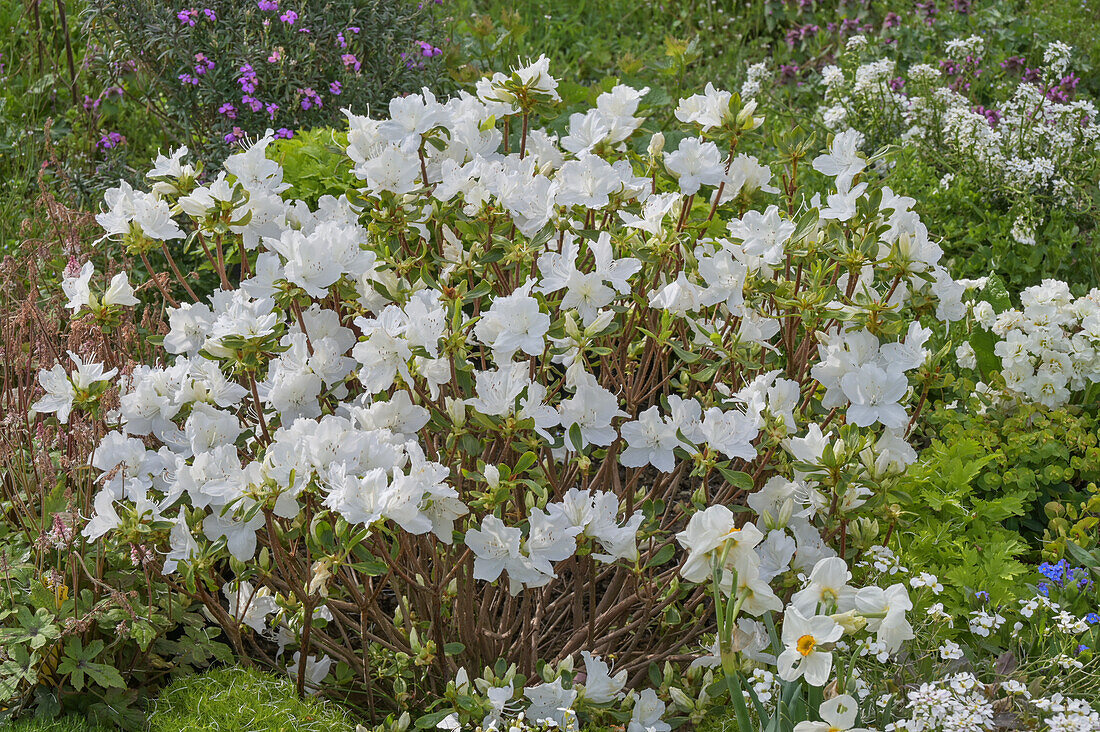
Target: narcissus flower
x=805 y=640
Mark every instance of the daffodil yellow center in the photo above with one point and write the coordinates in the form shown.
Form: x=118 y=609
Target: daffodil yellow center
x=806 y=645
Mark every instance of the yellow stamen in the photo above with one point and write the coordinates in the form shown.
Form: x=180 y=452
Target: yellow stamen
x=806 y=645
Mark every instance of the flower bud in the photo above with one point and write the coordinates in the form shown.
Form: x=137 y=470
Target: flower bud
x=850 y=622
x=681 y=699
x=456 y=410
x=656 y=145
x=492 y=476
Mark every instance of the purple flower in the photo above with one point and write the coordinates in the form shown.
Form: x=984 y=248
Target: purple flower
x=892 y=20
x=354 y=29
x=210 y=15
x=335 y=87
x=428 y=50
x=248 y=79
x=110 y=140
x=350 y=62
x=187 y=17
x=186 y=79
x=340 y=41
x=275 y=56
x=1014 y=63
x=992 y=116
x=284 y=133
x=929 y=10
x=202 y=64
x=289 y=17
x=252 y=103
x=228 y=110
x=268 y=6
x=310 y=99
x=236 y=134
x=897 y=83
x=272 y=108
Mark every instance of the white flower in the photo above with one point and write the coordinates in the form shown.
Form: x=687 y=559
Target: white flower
x=495 y=546
x=599 y=686
x=78 y=288
x=763 y=234
x=119 y=292
x=650 y=441
x=711 y=533
x=885 y=610
x=316 y=668
x=550 y=701
x=63 y=389
x=248 y=605
x=591 y=409
x=950 y=651
x=844 y=160
x=874 y=393
x=837 y=714
x=828 y=588
x=803 y=640
x=647 y=713
x=514 y=323
x=695 y=163
x=708 y=110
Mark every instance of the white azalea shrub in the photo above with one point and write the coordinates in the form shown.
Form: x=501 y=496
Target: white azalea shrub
x=531 y=399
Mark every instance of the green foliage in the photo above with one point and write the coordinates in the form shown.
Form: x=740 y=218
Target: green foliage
x=977 y=504
x=950 y=528
x=314 y=164
x=82 y=618
x=72 y=723
x=238 y=698
x=233 y=69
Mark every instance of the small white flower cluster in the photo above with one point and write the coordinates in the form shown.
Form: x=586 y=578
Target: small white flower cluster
x=955 y=704
x=1032 y=142
x=1050 y=348
x=961 y=703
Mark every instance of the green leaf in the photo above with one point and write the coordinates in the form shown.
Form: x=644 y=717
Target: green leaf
x=526 y=460
x=1087 y=559
x=105 y=675
x=663 y=555
x=983 y=342
x=429 y=721
x=996 y=294
x=736 y=478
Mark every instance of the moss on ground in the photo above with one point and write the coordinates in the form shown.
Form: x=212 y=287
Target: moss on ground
x=245 y=700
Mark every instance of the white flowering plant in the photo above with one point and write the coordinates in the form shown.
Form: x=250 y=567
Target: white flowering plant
x=1021 y=140
x=467 y=414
